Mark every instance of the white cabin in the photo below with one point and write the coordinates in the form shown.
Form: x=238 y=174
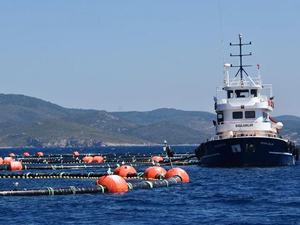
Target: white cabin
x=245 y=111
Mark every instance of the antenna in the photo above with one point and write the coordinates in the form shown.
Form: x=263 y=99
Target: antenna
x=221 y=28
x=241 y=66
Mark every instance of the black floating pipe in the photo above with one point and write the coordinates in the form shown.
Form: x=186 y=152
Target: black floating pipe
x=110 y=158
x=54 y=191
x=63 y=167
x=52 y=175
x=66 y=167
x=154 y=184
x=4 y=167
x=88 y=190
x=42 y=161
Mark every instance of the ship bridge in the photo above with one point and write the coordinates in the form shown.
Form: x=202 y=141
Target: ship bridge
x=245 y=105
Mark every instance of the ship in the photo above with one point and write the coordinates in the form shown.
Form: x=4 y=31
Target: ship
x=246 y=134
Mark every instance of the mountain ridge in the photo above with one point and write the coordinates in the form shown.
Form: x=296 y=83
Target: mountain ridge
x=32 y=122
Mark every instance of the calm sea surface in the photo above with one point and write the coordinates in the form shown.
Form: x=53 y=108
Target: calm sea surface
x=213 y=196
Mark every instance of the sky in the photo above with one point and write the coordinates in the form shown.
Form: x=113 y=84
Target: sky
x=133 y=55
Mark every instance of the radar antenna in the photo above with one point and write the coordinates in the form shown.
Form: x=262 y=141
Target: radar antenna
x=241 y=66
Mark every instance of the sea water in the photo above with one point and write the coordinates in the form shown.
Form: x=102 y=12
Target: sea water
x=268 y=195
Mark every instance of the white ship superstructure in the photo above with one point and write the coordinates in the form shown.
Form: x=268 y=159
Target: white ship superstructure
x=246 y=108
x=246 y=134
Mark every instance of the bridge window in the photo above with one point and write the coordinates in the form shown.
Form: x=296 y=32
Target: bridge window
x=230 y=94
x=220 y=117
x=237 y=115
x=250 y=114
x=242 y=93
x=253 y=93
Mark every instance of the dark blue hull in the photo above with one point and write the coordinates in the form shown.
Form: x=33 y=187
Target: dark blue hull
x=246 y=151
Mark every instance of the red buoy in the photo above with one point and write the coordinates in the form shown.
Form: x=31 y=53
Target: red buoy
x=98 y=159
x=87 y=159
x=114 y=183
x=7 y=160
x=1 y=160
x=124 y=170
x=26 y=154
x=11 y=155
x=154 y=172
x=40 y=154
x=76 y=153
x=157 y=158
x=178 y=172
x=15 y=165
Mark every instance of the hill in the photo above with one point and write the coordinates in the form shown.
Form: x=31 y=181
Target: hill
x=200 y=121
x=31 y=122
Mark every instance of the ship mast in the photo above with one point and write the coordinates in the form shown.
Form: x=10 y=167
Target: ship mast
x=241 y=66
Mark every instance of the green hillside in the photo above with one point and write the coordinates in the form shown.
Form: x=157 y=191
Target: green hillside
x=20 y=109
x=103 y=120
x=31 y=122
x=174 y=133
x=200 y=121
x=61 y=133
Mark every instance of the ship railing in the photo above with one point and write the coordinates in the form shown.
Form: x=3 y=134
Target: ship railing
x=244 y=134
x=245 y=82
x=263 y=98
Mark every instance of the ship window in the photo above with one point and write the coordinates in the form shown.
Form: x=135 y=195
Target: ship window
x=265 y=115
x=242 y=93
x=220 y=118
x=230 y=94
x=237 y=115
x=250 y=114
x=253 y=93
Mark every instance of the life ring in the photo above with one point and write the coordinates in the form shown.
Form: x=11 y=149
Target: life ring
x=270 y=103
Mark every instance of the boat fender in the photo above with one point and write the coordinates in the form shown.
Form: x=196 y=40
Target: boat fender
x=26 y=154
x=11 y=155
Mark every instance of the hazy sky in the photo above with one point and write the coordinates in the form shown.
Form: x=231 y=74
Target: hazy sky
x=142 y=55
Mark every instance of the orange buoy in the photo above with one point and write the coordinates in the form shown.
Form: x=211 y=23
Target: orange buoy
x=76 y=153
x=40 y=154
x=114 y=183
x=124 y=170
x=26 y=154
x=1 y=160
x=154 y=172
x=7 y=160
x=116 y=172
x=11 y=155
x=157 y=158
x=178 y=172
x=87 y=159
x=15 y=165
x=98 y=159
